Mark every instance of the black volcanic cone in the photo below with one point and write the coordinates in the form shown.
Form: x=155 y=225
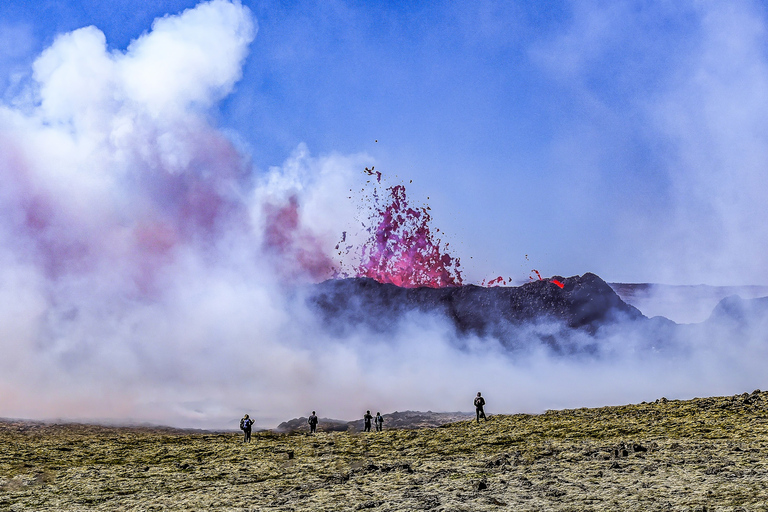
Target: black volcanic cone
x=585 y=302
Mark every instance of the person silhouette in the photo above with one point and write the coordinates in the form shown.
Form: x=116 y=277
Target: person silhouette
x=245 y=425
x=367 y=421
x=312 y=421
x=479 y=404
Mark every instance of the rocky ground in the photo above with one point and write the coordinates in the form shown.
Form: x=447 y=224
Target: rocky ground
x=702 y=454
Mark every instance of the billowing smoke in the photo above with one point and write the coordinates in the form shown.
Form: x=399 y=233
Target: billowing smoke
x=142 y=260
x=150 y=272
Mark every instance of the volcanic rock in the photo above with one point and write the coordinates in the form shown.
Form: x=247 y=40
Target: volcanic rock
x=585 y=302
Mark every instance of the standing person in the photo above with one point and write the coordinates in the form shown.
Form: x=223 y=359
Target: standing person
x=245 y=425
x=367 y=419
x=479 y=404
x=379 y=422
x=312 y=420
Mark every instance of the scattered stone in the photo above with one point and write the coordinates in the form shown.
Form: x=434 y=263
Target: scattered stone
x=621 y=450
x=368 y=504
x=481 y=485
x=498 y=461
x=429 y=502
x=339 y=478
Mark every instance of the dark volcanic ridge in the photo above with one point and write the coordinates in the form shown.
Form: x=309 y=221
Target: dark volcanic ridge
x=395 y=420
x=584 y=302
x=566 y=320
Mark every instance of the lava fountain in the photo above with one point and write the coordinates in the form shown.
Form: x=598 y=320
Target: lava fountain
x=400 y=246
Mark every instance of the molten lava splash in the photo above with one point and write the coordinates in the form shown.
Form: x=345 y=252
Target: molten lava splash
x=498 y=281
x=553 y=281
x=401 y=248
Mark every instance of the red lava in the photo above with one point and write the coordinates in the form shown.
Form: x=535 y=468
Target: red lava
x=401 y=248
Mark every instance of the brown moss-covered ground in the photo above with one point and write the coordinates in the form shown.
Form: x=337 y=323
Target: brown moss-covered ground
x=702 y=454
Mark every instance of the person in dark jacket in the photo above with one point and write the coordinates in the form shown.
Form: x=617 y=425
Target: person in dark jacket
x=367 y=421
x=312 y=421
x=245 y=425
x=379 y=420
x=479 y=404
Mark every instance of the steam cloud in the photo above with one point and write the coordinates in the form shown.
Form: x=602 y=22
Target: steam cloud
x=149 y=273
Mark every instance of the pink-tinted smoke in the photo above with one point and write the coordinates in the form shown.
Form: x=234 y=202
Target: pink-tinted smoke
x=298 y=251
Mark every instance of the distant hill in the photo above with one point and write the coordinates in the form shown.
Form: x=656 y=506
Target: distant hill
x=394 y=420
x=736 y=313
x=682 y=304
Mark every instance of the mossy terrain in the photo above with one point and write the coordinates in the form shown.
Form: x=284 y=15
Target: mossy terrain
x=696 y=455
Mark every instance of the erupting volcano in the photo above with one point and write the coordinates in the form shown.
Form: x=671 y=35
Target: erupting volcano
x=404 y=268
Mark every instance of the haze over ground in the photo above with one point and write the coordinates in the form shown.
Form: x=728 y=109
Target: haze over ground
x=165 y=182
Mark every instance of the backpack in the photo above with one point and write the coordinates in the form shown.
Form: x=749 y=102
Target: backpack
x=245 y=424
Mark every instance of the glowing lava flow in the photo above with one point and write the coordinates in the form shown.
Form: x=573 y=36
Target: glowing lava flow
x=401 y=248
x=553 y=281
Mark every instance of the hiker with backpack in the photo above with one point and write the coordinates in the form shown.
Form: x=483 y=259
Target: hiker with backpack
x=245 y=425
x=379 y=420
x=312 y=421
x=479 y=404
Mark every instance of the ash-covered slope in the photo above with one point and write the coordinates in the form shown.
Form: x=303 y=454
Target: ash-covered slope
x=585 y=302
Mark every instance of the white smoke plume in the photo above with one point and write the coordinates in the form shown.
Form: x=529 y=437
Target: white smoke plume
x=148 y=272
x=140 y=257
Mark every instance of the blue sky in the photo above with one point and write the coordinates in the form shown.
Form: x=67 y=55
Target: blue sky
x=622 y=138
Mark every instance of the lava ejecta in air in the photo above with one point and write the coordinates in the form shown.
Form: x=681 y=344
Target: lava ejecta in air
x=400 y=247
